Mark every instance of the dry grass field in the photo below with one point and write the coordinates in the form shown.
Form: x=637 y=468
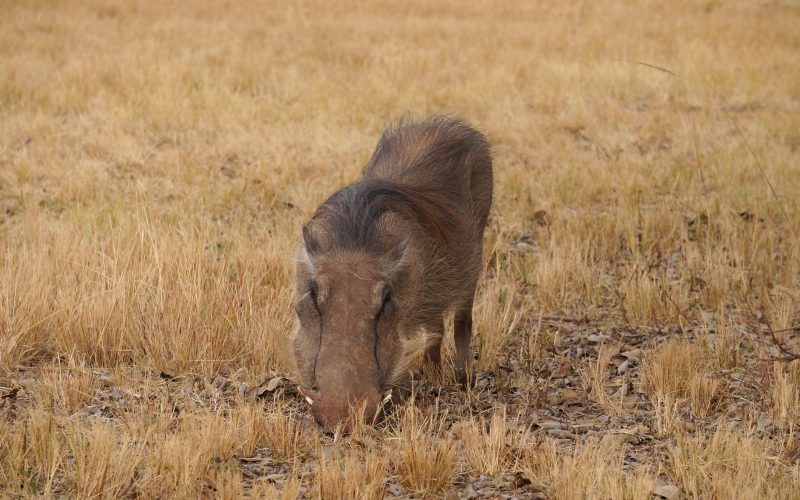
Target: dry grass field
x=158 y=158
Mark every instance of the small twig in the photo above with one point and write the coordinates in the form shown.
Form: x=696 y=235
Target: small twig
x=677 y=308
x=562 y=319
x=789 y=356
x=790 y=329
x=630 y=61
x=622 y=296
x=697 y=153
x=763 y=174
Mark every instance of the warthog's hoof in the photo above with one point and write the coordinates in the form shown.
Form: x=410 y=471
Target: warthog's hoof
x=465 y=377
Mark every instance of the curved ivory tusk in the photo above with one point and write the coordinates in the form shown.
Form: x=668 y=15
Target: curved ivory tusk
x=307 y=398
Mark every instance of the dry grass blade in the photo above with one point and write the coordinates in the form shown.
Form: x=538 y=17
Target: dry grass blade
x=727 y=465
x=595 y=378
x=764 y=176
x=648 y=65
x=702 y=391
x=489 y=445
x=426 y=460
x=668 y=372
x=351 y=477
x=595 y=468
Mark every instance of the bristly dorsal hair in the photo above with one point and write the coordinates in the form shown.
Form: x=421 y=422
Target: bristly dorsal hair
x=413 y=174
x=353 y=214
x=427 y=144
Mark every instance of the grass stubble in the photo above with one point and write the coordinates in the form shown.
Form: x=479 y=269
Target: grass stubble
x=156 y=161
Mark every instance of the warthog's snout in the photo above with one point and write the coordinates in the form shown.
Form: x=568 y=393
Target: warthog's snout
x=332 y=410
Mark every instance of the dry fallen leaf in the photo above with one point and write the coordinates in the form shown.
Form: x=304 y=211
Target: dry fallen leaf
x=273 y=383
x=541 y=218
x=265 y=388
x=561 y=434
x=550 y=424
x=668 y=491
x=107 y=379
x=211 y=389
x=633 y=355
x=117 y=395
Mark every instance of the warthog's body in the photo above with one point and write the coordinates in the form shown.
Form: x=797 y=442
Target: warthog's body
x=388 y=255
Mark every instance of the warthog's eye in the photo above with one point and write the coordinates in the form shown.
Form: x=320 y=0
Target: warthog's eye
x=387 y=299
x=312 y=292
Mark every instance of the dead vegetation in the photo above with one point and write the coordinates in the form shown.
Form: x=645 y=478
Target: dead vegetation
x=638 y=316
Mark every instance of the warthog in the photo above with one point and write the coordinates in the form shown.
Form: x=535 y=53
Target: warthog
x=387 y=256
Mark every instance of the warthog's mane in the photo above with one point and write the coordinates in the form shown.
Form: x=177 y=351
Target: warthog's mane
x=404 y=176
x=354 y=216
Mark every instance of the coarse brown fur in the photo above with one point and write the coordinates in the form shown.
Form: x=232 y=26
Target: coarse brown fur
x=387 y=256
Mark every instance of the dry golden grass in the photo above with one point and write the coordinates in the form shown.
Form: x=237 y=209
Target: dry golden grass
x=490 y=445
x=670 y=367
x=426 y=460
x=594 y=381
x=730 y=465
x=157 y=159
x=592 y=471
x=348 y=477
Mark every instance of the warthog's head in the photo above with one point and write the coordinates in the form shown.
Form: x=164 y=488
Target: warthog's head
x=347 y=343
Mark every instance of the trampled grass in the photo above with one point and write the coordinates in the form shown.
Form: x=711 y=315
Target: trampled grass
x=158 y=158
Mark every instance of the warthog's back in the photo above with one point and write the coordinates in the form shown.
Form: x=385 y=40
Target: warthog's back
x=439 y=155
x=449 y=164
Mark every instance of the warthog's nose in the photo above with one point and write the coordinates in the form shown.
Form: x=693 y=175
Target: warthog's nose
x=332 y=410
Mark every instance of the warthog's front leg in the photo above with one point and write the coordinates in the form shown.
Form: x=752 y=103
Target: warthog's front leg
x=463 y=337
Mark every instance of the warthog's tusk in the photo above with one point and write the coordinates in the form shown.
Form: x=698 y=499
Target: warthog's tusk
x=308 y=399
x=386 y=399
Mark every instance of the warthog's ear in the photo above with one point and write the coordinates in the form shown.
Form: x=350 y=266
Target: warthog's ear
x=310 y=242
x=397 y=258
x=307 y=249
